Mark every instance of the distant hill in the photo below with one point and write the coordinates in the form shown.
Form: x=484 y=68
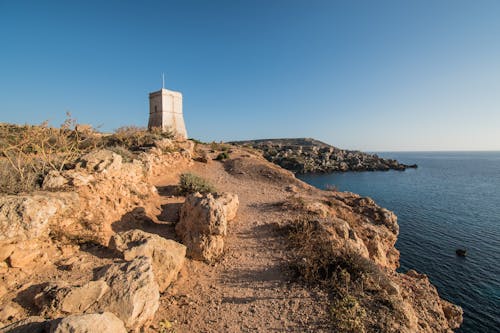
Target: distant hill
x=304 y=155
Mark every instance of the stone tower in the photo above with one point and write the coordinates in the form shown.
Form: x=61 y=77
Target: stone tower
x=165 y=112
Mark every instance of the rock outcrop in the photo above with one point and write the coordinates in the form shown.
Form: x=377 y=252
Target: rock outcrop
x=83 y=323
x=89 y=323
x=167 y=255
x=133 y=294
x=203 y=223
x=28 y=217
x=309 y=155
x=129 y=290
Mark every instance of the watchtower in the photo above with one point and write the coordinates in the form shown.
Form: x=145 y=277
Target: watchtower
x=165 y=112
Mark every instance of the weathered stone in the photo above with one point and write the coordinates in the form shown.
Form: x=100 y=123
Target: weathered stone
x=230 y=204
x=203 y=223
x=164 y=144
x=22 y=258
x=28 y=325
x=54 y=180
x=167 y=255
x=133 y=294
x=101 y=161
x=78 y=179
x=56 y=299
x=28 y=217
x=453 y=314
x=9 y=311
x=6 y=250
x=89 y=323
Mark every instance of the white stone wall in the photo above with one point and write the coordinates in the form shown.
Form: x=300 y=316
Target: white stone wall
x=165 y=111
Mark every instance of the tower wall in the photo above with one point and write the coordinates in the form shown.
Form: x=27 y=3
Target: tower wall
x=165 y=112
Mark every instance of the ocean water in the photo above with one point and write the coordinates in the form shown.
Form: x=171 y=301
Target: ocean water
x=451 y=201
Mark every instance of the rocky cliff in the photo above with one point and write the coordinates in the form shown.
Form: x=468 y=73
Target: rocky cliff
x=99 y=250
x=310 y=155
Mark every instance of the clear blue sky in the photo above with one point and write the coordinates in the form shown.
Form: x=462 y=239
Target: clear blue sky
x=370 y=75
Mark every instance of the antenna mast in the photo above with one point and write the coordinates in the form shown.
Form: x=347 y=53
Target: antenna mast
x=162 y=80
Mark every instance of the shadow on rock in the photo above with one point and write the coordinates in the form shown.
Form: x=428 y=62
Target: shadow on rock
x=138 y=219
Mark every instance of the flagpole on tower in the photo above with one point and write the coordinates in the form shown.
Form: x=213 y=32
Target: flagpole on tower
x=163 y=80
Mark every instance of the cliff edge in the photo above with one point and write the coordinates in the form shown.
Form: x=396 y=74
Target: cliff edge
x=114 y=244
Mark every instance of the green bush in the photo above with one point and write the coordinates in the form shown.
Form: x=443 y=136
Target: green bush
x=191 y=183
x=222 y=156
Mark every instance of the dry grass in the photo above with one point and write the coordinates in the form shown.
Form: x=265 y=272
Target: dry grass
x=29 y=152
x=357 y=285
x=136 y=138
x=191 y=183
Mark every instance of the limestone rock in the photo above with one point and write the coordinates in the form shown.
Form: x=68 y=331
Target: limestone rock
x=23 y=257
x=133 y=295
x=78 y=178
x=28 y=217
x=89 y=323
x=164 y=144
x=54 y=180
x=9 y=311
x=6 y=250
x=29 y=325
x=453 y=314
x=203 y=223
x=230 y=204
x=101 y=161
x=423 y=303
x=167 y=255
x=56 y=299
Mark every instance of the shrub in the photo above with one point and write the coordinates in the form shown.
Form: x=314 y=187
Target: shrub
x=191 y=183
x=13 y=181
x=136 y=138
x=339 y=269
x=28 y=153
x=294 y=202
x=222 y=156
x=347 y=314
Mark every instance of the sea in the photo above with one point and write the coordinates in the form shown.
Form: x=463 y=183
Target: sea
x=451 y=201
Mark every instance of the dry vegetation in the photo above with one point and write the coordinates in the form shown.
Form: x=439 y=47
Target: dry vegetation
x=359 y=288
x=191 y=183
x=29 y=152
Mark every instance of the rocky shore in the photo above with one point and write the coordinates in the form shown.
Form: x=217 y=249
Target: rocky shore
x=304 y=155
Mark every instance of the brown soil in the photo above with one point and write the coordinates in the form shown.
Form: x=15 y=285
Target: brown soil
x=250 y=289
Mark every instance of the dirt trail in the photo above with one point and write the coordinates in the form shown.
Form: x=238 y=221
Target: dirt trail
x=249 y=290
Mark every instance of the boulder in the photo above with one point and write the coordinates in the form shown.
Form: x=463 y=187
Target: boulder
x=28 y=217
x=89 y=323
x=133 y=295
x=101 y=161
x=55 y=299
x=53 y=181
x=203 y=223
x=167 y=255
x=29 y=325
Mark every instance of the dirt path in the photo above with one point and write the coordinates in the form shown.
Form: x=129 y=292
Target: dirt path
x=249 y=290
